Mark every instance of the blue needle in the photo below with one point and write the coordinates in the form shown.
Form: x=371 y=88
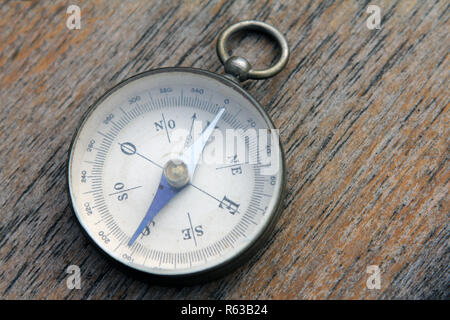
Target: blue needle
x=163 y=195
x=165 y=191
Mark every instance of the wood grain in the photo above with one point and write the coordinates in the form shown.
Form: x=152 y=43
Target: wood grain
x=363 y=114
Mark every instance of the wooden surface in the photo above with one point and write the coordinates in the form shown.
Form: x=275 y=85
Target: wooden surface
x=363 y=114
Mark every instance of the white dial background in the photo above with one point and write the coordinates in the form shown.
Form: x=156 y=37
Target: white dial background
x=111 y=190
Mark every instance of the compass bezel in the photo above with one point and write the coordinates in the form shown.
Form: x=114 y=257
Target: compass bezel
x=258 y=241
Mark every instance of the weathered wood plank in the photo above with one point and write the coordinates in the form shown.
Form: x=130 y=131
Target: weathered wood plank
x=363 y=116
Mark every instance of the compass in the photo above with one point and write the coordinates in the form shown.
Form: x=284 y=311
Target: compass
x=178 y=173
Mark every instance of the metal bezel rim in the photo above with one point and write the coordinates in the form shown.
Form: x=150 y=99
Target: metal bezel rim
x=241 y=256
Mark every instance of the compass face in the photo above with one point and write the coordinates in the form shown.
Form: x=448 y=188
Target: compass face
x=117 y=160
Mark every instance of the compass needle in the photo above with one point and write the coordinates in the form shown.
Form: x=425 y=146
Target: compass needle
x=174 y=178
x=192 y=154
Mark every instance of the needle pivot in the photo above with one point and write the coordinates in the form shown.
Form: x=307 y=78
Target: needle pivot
x=177 y=173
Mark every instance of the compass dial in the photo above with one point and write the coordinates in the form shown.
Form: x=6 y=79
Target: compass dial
x=117 y=160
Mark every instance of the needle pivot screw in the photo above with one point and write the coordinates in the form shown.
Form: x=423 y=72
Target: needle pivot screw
x=177 y=173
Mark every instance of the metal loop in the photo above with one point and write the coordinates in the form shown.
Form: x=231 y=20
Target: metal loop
x=261 y=27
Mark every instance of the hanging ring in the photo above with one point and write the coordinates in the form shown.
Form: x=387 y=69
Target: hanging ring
x=239 y=67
